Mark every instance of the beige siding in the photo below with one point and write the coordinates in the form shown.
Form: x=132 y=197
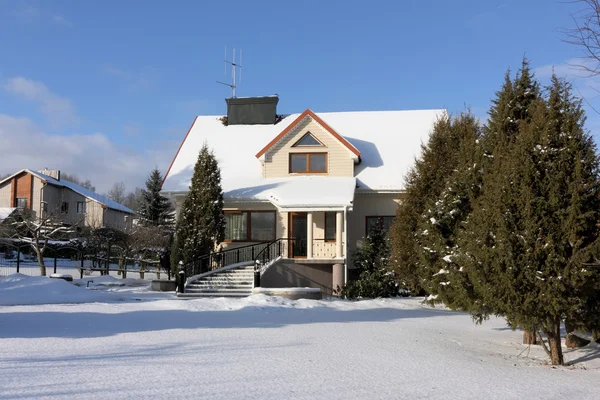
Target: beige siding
x=5 y=197
x=37 y=195
x=94 y=214
x=364 y=206
x=117 y=220
x=339 y=158
x=52 y=195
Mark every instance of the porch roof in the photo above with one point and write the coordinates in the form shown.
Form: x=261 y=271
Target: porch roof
x=297 y=192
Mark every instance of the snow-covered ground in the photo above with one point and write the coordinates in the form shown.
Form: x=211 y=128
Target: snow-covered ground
x=126 y=342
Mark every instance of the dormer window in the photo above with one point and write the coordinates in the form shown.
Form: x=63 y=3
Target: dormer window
x=308 y=140
x=308 y=163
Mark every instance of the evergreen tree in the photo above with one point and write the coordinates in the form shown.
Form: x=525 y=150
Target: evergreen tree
x=534 y=224
x=425 y=181
x=371 y=259
x=155 y=209
x=444 y=216
x=201 y=222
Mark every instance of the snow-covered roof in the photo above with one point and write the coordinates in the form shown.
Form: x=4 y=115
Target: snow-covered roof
x=5 y=212
x=388 y=142
x=76 y=188
x=297 y=192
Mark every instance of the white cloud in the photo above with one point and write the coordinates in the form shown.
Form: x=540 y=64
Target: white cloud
x=90 y=156
x=61 y=20
x=142 y=80
x=58 y=110
x=27 y=14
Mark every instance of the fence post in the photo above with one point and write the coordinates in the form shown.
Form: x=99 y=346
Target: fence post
x=55 y=261
x=18 y=258
x=108 y=260
x=81 y=269
x=181 y=285
x=256 y=274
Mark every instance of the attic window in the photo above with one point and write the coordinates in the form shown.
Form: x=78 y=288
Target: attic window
x=307 y=140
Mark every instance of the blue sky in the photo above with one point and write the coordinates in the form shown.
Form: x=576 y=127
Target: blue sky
x=108 y=89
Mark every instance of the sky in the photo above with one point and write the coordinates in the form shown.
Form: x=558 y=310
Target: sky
x=108 y=89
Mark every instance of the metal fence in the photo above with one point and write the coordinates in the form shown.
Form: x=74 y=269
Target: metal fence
x=79 y=261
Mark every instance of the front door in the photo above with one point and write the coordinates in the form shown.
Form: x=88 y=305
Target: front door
x=297 y=234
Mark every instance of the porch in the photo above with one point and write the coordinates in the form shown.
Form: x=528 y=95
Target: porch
x=301 y=235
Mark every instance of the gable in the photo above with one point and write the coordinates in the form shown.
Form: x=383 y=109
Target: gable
x=319 y=121
x=339 y=160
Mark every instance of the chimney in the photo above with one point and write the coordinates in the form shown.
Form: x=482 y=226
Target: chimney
x=252 y=110
x=53 y=173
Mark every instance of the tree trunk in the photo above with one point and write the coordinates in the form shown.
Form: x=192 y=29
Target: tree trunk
x=40 y=257
x=596 y=335
x=529 y=337
x=554 y=342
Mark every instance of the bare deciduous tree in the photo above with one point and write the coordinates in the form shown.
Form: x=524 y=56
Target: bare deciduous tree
x=586 y=35
x=117 y=193
x=87 y=184
x=38 y=231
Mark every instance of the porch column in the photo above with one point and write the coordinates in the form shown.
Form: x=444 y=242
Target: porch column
x=339 y=226
x=309 y=235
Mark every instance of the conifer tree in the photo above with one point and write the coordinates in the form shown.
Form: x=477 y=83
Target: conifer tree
x=424 y=181
x=443 y=219
x=371 y=261
x=154 y=209
x=201 y=222
x=534 y=224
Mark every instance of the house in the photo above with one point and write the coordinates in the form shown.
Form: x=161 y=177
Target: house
x=44 y=193
x=8 y=214
x=315 y=181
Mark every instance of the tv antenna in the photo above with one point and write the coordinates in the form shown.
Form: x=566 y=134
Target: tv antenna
x=234 y=67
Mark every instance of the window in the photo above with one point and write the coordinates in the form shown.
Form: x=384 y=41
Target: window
x=81 y=207
x=236 y=226
x=21 y=202
x=64 y=207
x=384 y=222
x=305 y=163
x=307 y=140
x=262 y=226
x=330 y=226
x=250 y=226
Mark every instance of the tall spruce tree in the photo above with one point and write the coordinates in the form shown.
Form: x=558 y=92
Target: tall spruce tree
x=443 y=219
x=533 y=226
x=425 y=181
x=155 y=209
x=201 y=222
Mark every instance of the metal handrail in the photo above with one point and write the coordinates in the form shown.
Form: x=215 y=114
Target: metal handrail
x=223 y=258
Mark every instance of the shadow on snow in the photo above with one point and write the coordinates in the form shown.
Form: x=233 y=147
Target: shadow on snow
x=92 y=324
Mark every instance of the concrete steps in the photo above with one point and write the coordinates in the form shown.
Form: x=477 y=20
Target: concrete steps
x=237 y=282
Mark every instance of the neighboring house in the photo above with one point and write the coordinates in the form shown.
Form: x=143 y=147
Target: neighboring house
x=319 y=180
x=44 y=194
x=8 y=214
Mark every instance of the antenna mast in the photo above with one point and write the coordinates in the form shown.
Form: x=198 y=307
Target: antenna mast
x=234 y=66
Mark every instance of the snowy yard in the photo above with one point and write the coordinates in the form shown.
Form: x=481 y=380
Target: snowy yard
x=129 y=343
